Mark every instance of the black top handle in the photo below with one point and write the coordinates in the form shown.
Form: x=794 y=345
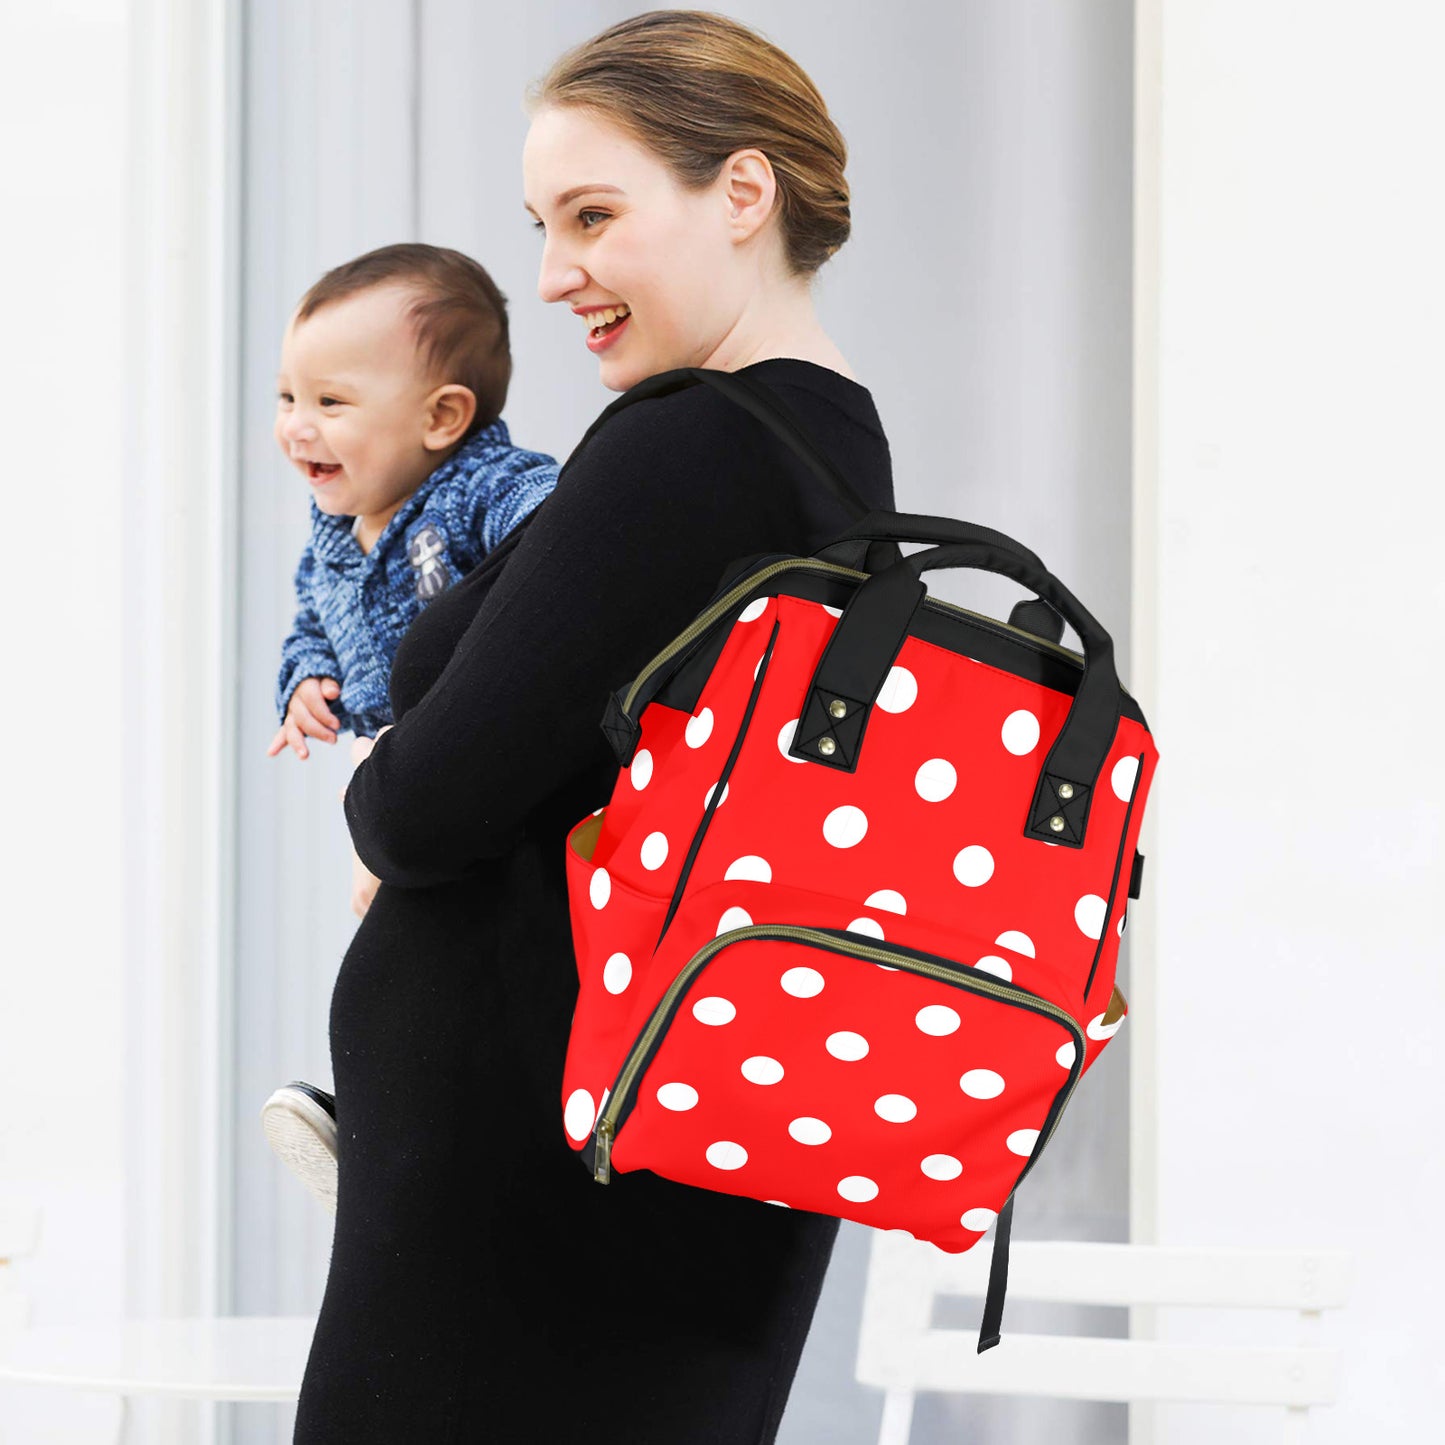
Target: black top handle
x=915 y=527
x=844 y=688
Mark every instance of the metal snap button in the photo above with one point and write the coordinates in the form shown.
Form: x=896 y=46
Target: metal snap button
x=838 y=708
x=827 y=747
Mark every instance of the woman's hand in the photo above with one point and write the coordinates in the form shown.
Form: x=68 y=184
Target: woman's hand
x=364 y=882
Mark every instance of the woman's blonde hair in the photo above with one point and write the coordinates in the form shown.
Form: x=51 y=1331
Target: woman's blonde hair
x=692 y=87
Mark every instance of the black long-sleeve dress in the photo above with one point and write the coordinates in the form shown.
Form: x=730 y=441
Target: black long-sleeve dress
x=482 y=1286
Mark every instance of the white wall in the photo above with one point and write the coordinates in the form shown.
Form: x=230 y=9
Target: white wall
x=1295 y=878
x=61 y=1004
x=116 y=588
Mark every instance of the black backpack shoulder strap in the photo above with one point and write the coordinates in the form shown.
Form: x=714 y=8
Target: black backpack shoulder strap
x=752 y=397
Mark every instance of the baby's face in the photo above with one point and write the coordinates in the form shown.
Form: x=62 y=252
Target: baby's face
x=351 y=404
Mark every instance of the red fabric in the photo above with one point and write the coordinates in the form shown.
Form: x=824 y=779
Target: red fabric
x=766 y=1091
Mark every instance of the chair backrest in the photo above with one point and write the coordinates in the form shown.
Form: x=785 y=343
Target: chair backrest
x=900 y=1351
x=19 y=1234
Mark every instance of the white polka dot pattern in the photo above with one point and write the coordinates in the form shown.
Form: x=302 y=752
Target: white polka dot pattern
x=899 y=691
x=600 y=889
x=641 y=770
x=790 y=1069
x=750 y=866
x=888 y=899
x=998 y=967
x=937 y=1019
x=699 y=728
x=810 y=1131
x=617 y=973
x=981 y=1084
x=896 y=1108
x=735 y=917
x=973 y=866
x=677 y=1097
x=935 y=780
x=942 y=1166
x=844 y=827
x=802 y=982
x=847 y=1046
x=1020 y=732
x=762 y=1070
x=726 y=1155
x=579 y=1113
x=714 y=1011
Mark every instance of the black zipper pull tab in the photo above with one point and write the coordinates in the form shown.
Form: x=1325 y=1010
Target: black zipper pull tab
x=602 y=1156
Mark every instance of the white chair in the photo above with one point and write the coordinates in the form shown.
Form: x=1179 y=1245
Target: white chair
x=899 y=1352
x=229 y=1358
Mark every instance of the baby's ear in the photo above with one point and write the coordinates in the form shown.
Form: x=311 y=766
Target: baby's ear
x=451 y=411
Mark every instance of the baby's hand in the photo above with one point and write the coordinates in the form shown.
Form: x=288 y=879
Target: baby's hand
x=307 y=715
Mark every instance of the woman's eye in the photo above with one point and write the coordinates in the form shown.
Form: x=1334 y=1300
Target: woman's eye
x=540 y=226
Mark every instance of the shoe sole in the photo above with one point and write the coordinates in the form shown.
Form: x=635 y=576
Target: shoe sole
x=303 y=1134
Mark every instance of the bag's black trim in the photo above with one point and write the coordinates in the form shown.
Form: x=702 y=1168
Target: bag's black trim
x=1035 y=615
x=989 y=1331
x=720 y=787
x=1114 y=884
x=982 y=638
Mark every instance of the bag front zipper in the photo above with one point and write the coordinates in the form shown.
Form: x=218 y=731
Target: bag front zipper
x=841 y=942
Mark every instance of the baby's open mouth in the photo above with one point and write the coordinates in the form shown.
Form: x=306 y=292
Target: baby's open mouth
x=316 y=471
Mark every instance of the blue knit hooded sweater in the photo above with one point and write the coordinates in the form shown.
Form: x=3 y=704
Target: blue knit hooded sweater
x=353 y=606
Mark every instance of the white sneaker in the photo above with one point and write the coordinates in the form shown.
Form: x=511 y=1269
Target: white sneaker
x=300 y=1124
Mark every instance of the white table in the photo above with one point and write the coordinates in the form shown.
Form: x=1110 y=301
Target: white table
x=250 y=1357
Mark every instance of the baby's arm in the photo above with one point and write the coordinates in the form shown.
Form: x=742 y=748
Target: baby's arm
x=308 y=685
x=516 y=499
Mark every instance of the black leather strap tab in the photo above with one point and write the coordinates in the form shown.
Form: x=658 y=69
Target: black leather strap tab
x=621 y=731
x=1064 y=799
x=1136 y=875
x=989 y=1332
x=854 y=667
x=818 y=723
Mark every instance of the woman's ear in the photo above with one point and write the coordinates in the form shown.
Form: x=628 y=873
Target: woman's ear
x=749 y=188
x=450 y=410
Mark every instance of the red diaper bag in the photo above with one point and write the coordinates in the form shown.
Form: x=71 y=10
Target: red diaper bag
x=846 y=930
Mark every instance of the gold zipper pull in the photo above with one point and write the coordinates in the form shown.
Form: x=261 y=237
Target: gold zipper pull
x=602 y=1156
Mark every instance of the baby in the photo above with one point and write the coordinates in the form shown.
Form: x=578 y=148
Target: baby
x=394 y=370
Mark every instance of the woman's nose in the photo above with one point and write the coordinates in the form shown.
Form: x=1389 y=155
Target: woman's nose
x=558 y=278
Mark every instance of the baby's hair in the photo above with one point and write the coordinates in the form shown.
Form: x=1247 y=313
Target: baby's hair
x=457 y=313
x=692 y=87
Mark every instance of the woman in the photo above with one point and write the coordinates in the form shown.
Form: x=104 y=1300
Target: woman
x=482 y=1286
